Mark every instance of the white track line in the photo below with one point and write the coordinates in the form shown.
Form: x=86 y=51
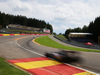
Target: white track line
x=83 y=69
x=29 y=50
x=44 y=56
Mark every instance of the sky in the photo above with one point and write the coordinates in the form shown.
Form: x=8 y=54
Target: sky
x=61 y=14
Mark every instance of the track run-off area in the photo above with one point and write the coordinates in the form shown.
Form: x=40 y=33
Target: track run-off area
x=25 y=53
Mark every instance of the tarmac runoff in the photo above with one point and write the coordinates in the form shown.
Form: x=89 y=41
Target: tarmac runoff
x=45 y=66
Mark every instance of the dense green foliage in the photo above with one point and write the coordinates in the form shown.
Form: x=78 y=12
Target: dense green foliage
x=49 y=27
x=94 y=28
x=45 y=40
x=78 y=29
x=6 y=19
x=7 y=69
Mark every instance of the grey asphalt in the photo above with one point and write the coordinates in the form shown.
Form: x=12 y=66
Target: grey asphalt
x=10 y=50
x=25 y=48
x=90 y=60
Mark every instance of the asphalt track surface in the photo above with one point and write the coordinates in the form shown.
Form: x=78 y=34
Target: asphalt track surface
x=18 y=47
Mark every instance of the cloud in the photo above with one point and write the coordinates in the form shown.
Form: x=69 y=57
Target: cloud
x=62 y=14
x=18 y=8
x=3 y=0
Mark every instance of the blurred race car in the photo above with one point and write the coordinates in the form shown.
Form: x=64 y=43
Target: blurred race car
x=64 y=56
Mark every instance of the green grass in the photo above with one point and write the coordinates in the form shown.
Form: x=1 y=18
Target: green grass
x=7 y=69
x=20 y=31
x=45 y=40
x=61 y=37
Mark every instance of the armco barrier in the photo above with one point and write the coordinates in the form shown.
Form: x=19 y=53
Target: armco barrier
x=20 y=34
x=74 y=43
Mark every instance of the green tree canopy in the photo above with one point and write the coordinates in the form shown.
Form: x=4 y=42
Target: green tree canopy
x=94 y=28
x=6 y=19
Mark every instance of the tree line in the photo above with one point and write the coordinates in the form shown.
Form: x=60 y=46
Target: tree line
x=78 y=29
x=6 y=19
x=93 y=27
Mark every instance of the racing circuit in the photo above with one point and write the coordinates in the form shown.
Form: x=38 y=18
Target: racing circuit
x=22 y=47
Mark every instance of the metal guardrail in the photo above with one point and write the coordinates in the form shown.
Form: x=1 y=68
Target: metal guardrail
x=71 y=42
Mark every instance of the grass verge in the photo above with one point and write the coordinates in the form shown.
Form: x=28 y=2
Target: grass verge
x=7 y=69
x=61 y=37
x=45 y=40
x=21 y=31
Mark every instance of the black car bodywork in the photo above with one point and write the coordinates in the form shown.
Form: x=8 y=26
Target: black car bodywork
x=64 y=56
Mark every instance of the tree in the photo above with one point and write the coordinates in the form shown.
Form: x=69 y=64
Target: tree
x=54 y=33
x=94 y=28
x=90 y=28
x=67 y=32
x=60 y=33
x=3 y=20
x=85 y=29
x=78 y=29
x=6 y=19
x=50 y=27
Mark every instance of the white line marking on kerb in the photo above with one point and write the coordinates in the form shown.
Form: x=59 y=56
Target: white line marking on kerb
x=83 y=69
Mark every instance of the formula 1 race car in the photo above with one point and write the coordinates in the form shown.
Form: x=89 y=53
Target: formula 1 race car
x=64 y=56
